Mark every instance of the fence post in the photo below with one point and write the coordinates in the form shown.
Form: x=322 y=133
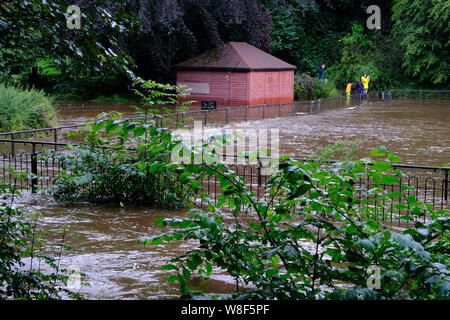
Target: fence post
x=13 y=146
x=34 y=180
x=446 y=181
x=279 y=110
x=246 y=113
x=227 y=115
x=420 y=95
x=206 y=117
x=259 y=172
x=55 y=138
x=311 y=106
x=318 y=106
x=264 y=111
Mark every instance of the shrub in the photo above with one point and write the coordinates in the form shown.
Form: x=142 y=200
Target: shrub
x=314 y=231
x=308 y=88
x=134 y=169
x=65 y=87
x=22 y=109
x=132 y=164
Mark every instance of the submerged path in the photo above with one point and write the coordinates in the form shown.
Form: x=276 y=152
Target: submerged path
x=417 y=132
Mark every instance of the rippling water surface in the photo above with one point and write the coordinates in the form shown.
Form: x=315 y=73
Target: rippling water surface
x=104 y=239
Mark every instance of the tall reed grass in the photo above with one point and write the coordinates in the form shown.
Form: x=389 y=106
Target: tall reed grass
x=22 y=109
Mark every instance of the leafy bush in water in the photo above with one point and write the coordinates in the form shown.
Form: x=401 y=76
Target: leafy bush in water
x=25 y=109
x=20 y=240
x=315 y=235
x=130 y=165
x=308 y=88
x=101 y=170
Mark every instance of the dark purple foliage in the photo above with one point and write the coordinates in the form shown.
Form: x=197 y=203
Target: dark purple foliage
x=174 y=30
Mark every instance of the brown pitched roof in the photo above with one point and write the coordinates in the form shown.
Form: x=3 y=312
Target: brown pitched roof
x=235 y=56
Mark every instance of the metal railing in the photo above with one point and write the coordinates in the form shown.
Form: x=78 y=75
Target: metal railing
x=431 y=184
x=402 y=94
x=228 y=115
x=219 y=116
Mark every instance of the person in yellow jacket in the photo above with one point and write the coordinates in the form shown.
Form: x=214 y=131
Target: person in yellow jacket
x=348 y=90
x=365 y=80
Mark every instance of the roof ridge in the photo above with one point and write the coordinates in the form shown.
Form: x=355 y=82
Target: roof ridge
x=231 y=43
x=235 y=55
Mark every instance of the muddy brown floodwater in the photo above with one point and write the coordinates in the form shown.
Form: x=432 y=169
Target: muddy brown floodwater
x=76 y=112
x=104 y=245
x=104 y=239
x=419 y=133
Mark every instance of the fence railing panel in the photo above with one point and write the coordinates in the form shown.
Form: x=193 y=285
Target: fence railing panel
x=431 y=184
x=20 y=150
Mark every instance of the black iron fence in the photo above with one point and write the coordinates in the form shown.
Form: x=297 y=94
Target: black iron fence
x=427 y=183
x=21 y=150
x=27 y=169
x=420 y=94
x=431 y=184
x=9 y=143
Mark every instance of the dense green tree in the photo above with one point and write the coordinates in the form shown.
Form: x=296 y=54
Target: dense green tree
x=302 y=33
x=157 y=34
x=34 y=29
x=425 y=29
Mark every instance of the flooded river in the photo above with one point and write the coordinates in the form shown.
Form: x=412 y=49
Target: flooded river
x=104 y=246
x=417 y=132
x=104 y=239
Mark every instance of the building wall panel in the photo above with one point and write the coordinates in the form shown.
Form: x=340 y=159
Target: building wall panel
x=230 y=89
x=239 y=89
x=219 y=85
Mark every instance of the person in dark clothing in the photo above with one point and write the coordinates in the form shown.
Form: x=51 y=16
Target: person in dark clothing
x=359 y=87
x=323 y=73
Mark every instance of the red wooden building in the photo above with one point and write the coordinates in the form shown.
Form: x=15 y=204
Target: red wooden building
x=237 y=74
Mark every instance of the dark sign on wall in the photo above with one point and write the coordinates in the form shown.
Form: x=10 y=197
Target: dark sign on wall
x=208 y=104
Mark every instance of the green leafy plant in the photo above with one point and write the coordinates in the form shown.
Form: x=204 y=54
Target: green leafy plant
x=127 y=161
x=102 y=170
x=22 y=109
x=316 y=234
x=308 y=88
x=21 y=252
